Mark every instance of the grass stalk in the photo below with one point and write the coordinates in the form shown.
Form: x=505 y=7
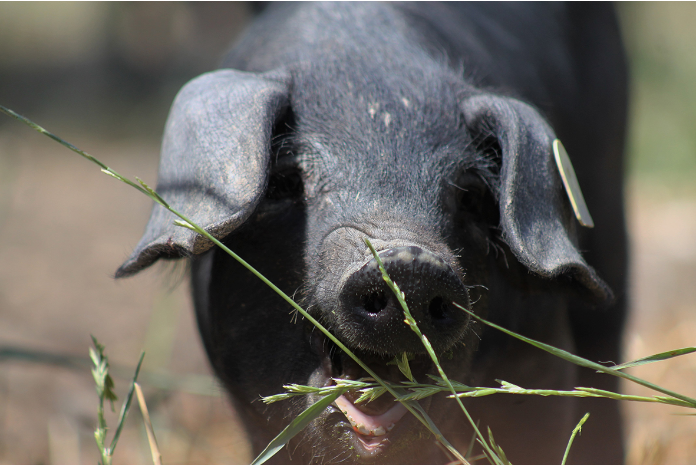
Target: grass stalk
x=154 y=448
x=420 y=391
x=614 y=371
x=575 y=432
x=412 y=406
x=411 y=322
x=104 y=385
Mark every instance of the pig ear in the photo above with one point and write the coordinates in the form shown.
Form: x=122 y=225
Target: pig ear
x=535 y=215
x=214 y=160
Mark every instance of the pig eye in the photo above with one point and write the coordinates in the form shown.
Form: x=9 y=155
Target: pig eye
x=473 y=198
x=285 y=182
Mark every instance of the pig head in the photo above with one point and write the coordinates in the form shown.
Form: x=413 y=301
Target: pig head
x=428 y=130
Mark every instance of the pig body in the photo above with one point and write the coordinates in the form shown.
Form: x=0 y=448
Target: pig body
x=426 y=128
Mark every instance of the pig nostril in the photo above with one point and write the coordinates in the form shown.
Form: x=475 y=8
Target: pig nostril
x=369 y=315
x=438 y=308
x=375 y=302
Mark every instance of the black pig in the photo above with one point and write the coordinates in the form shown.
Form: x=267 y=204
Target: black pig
x=426 y=128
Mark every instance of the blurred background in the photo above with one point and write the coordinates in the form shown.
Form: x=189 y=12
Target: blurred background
x=102 y=76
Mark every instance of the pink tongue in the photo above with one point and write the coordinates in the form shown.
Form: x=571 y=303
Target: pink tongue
x=371 y=425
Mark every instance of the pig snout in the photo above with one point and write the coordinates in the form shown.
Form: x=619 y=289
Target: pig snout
x=430 y=286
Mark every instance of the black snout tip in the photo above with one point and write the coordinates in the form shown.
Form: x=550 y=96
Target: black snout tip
x=430 y=285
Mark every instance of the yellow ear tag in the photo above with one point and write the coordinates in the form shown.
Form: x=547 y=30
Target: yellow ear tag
x=577 y=201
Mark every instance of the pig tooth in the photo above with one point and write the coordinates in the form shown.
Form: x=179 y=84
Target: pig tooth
x=362 y=429
x=353 y=423
x=391 y=427
x=379 y=431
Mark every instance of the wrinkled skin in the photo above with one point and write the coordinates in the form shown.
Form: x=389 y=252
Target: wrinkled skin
x=427 y=129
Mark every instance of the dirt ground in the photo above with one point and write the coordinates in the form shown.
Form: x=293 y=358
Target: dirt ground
x=64 y=229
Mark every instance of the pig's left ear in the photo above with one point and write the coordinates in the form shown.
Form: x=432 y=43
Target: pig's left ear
x=535 y=215
x=214 y=160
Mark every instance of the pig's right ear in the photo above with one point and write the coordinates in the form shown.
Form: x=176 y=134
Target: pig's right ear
x=214 y=160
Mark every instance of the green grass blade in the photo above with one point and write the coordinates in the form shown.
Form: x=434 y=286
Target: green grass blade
x=411 y=322
x=297 y=425
x=428 y=422
x=581 y=361
x=404 y=366
x=126 y=406
x=472 y=443
x=575 y=432
x=655 y=358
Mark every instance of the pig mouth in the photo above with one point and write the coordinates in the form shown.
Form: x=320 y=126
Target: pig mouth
x=376 y=425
